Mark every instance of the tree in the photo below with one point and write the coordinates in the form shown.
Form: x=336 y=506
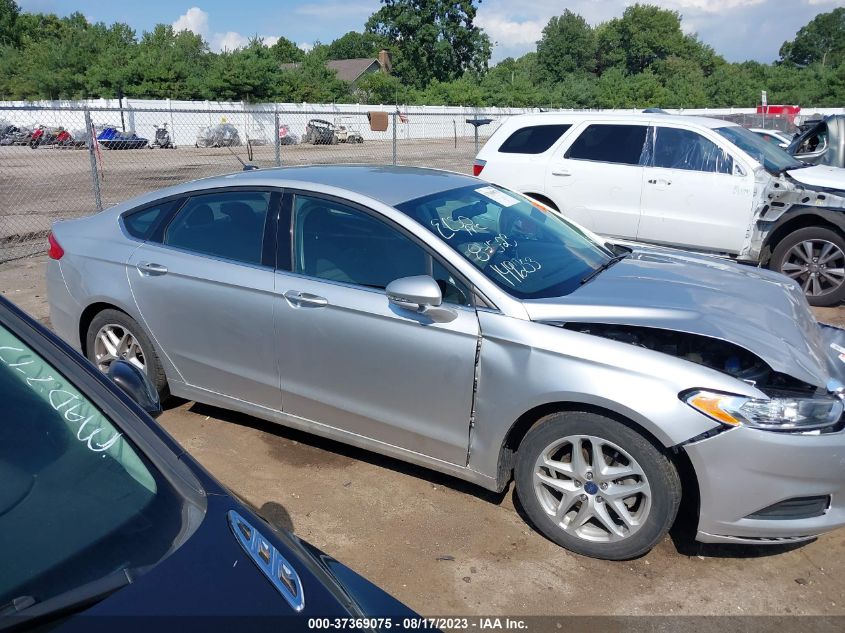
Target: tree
x=354 y=45
x=286 y=52
x=568 y=45
x=643 y=35
x=9 y=12
x=169 y=65
x=820 y=41
x=251 y=73
x=431 y=39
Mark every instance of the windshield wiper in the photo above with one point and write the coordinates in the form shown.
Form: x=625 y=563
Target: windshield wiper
x=25 y=611
x=603 y=267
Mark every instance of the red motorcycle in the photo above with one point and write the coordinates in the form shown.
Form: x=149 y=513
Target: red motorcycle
x=59 y=136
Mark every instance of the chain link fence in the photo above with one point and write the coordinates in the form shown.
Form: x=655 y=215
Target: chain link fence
x=51 y=169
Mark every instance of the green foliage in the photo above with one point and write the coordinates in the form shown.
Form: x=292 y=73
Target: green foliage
x=354 y=45
x=431 y=39
x=821 y=41
x=640 y=59
x=286 y=52
x=568 y=45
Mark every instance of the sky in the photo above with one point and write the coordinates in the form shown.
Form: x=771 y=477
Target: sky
x=737 y=29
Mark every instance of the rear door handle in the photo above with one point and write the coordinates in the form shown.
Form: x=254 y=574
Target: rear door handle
x=659 y=181
x=153 y=270
x=305 y=299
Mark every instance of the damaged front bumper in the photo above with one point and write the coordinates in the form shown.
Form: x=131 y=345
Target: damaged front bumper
x=765 y=487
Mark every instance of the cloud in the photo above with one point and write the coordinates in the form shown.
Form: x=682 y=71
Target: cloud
x=510 y=33
x=338 y=10
x=305 y=46
x=194 y=19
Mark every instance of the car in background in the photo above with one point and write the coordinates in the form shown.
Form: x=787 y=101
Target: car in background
x=781 y=139
x=457 y=325
x=700 y=184
x=320 y=132
x=822 y=143
x=104 y=515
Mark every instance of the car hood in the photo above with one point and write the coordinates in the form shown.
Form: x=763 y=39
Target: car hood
x=823 y=176
x=759 y=310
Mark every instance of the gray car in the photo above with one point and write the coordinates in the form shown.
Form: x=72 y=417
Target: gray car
x=448 y=322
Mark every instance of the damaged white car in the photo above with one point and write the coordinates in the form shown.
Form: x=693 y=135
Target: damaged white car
x=701 y=184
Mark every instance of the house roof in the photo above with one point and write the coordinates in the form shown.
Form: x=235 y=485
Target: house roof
x=347 y=69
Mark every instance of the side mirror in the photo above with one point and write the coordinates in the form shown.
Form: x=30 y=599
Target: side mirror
x=414 y=293
x=136 y=385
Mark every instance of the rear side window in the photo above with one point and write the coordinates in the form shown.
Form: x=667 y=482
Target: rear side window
x=622 y=144
x=228 y=225
x=535 y=139
x=141 y=224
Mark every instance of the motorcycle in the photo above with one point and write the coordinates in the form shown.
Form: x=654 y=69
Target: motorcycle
x=162 y=138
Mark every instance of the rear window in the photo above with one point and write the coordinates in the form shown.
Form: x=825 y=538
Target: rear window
x=141 y=224
x=535 y=139
x=622 y=144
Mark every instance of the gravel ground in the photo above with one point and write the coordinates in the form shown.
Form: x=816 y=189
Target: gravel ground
x=446 y=547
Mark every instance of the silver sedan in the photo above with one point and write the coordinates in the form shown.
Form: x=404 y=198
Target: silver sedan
x=452 y=323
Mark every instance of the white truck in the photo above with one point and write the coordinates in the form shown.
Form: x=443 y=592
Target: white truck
x=701 y=184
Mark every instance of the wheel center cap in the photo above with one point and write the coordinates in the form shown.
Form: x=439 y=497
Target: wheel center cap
x=591 y=488
x=814 y=267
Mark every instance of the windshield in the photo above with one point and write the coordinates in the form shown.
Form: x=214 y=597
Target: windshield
x=77 y=502
x=524 y=248
x=773 y=158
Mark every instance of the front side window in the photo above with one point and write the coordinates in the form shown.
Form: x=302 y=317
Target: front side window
x=815 y=142
x=606 y=143
x=534 y=139
x=773 y=158
x=228 y=225
x=688 y=150
x=528 y=251
x=339 y=243
x=77 y=500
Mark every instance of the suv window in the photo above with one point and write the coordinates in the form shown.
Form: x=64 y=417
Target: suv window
x=814 y=142
x=340 y=243
x=685 y=149
x=535 y=139
x=228 y=225
x=622 y=144
x=78 y=500
x=141 y=224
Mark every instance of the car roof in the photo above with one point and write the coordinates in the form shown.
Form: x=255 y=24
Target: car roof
x=544 y=118
x=389 y=184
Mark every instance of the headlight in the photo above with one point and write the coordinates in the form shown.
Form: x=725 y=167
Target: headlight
x=773 y=414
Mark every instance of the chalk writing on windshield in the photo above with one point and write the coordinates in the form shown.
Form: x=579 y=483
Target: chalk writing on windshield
x=482 y=252
x=72 y=408
x=514 y=271
x=450 y=228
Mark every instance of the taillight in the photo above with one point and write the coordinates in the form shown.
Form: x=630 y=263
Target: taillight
x=477 y=166
x=56 y=251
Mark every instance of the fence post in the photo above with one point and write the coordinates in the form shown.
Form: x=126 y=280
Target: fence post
x=278 y=141
x=92 y=159
x=394 y=136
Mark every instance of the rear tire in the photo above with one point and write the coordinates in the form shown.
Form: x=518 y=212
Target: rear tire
x=614 y=499
x=815 y=258
x=110 y=337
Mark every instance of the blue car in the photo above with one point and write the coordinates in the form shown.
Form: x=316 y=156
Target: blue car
x=102 y=513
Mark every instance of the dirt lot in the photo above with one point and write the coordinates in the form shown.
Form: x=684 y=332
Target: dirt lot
x=393 y=522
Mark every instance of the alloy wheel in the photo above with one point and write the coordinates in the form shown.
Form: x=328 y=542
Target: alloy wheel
x=818 y=265
x=114 y=342
x=592 y=488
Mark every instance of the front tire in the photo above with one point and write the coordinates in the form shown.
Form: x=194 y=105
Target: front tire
x=815 y=258
x=595 y=486
x=114 y=335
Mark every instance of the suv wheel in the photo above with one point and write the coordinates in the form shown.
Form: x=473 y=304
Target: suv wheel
x=114 y=335
x=815 y=258
x=595 y=486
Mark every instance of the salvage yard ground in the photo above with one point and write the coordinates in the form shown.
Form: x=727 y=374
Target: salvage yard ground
x=446 y=547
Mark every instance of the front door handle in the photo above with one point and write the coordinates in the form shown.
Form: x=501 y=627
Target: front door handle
x=660 y=181
x=561 y=172
x=305 y=299
x=151 y=269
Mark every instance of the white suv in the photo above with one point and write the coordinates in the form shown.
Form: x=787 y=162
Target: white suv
x=692 y=182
